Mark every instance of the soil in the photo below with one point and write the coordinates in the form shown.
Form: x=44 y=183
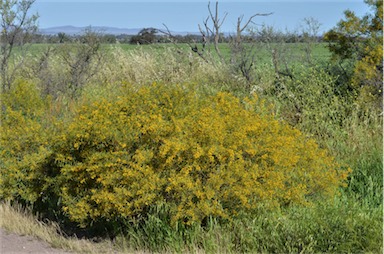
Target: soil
x=15 y=244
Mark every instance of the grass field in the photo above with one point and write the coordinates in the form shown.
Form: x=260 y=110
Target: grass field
x=295 y=51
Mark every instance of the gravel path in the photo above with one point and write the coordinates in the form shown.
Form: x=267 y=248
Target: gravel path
x=14 y=244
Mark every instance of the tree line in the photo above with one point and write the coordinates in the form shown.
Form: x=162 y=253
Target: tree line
x=152 y=35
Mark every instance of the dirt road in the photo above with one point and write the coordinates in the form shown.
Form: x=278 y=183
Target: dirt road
x=14 y=244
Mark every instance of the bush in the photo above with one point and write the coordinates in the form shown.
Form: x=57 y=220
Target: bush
x=23 y=143
x=205 y=156
x=201 y=155
x=311 y=102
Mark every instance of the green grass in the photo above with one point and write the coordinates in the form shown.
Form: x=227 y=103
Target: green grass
x=340 y=227
x=364 y=154
x=343 y=226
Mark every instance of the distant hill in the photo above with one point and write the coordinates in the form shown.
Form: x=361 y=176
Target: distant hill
x=73 y=30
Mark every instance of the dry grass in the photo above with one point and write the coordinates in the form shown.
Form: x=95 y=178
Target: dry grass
x=20 y=221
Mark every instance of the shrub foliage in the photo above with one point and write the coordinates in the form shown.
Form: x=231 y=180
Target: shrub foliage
x=201 y=155
x=23 y=142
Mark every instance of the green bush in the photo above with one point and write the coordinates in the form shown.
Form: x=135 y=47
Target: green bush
x=310 y=101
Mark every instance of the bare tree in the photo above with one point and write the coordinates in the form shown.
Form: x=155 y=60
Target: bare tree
x=41 y=71
x=242 y=56
x=240 y=28
x=194 y=47
x=214 y=31
x=310 y=33
x=274 y=40
x=16 y=29
x=83 y=59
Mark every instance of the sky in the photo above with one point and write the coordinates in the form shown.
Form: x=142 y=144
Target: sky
x=184 y=16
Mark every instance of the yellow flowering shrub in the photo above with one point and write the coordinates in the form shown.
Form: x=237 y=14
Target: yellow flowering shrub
x=202 y=155
x=24 y=143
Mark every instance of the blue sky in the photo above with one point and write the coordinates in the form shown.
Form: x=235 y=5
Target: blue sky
x=183 y=15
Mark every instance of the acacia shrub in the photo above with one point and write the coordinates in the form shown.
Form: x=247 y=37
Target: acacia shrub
x=201 y=155
x=24 y=143
x=359 y=41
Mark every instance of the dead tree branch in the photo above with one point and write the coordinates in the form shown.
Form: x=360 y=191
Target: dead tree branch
x=215 y=31
x=240 y=29
x=193 y=47
x=16 y=27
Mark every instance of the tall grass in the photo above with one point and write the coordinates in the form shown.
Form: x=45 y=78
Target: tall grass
x=362 y=148
x=340 y=227
x=343 y=226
